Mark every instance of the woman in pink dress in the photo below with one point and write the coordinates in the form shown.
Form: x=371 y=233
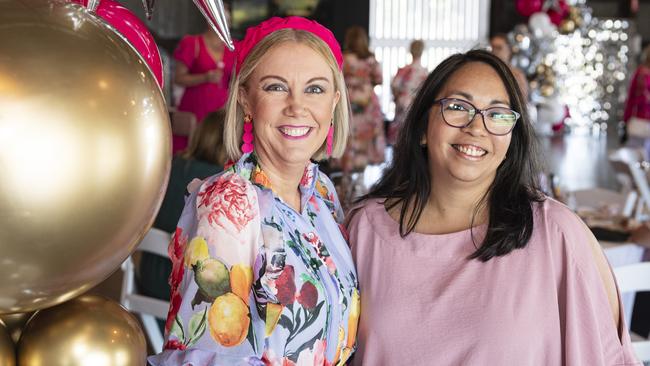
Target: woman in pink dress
x=203 y=67
x=460 y=258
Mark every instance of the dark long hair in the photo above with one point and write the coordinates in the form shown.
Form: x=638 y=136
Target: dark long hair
x=407 y=181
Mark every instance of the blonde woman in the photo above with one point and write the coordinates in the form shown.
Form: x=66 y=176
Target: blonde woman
x=262 y=272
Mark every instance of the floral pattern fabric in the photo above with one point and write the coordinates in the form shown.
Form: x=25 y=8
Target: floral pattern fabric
x=404 y=86
x=256 y=283
x=367 y=141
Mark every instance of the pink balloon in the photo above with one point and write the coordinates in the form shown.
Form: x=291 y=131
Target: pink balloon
x=558 y=12
x=529 y=7
x=135 y=32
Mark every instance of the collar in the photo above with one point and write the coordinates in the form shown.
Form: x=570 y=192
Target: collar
x=249 y=168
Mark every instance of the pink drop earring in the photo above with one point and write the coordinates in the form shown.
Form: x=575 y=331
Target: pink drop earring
x=247 y=146
x=330 y=139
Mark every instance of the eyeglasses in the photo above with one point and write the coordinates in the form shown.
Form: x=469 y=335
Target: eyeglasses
x=460 y=113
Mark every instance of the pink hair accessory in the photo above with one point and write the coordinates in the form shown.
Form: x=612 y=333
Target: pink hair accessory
x=255 y=34
x=330 y=140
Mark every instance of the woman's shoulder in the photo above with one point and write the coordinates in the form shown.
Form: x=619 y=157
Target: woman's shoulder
x=368 y=210
x=564 y=231
x=554 y=213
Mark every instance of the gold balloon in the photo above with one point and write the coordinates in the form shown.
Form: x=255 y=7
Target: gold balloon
x=14 y=323
x=7 y=350
x=85 y=147
x=567 y=26
x=86 y=331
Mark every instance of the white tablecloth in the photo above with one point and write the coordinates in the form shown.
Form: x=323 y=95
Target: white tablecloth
x=619 y=255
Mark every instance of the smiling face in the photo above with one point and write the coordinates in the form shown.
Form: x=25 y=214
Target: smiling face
x=291 y=98
x=469 y=155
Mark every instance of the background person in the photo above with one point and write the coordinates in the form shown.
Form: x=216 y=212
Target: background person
x=500 y=46
x=637 y=105
x=362 y=72
x=203 y=68
x=404 y=86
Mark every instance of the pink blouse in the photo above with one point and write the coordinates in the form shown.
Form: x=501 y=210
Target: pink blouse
x=424 y=303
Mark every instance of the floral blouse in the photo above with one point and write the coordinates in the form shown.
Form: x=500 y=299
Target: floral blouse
x=256 y=283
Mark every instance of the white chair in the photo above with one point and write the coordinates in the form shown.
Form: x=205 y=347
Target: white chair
x=147 y=308
x=631 y=171
x=635 y=278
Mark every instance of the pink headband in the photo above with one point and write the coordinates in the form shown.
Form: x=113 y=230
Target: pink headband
x=255 y=34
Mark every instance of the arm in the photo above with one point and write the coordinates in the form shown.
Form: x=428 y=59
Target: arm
x=396 y=85
x=607 y=279
x=591 y=323
x=183 y=77
x=376 y=77
x=213 y=253
x=186 y=55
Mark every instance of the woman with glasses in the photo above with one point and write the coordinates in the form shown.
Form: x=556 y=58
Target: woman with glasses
x=461 y=260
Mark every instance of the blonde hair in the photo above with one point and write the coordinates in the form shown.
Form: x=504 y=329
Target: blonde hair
x=235 y=114
x=206 y=143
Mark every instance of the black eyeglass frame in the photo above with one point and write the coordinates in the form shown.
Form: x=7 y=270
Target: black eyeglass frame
x=480 y=111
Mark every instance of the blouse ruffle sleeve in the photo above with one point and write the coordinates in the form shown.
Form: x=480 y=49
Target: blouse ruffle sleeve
x=212 y=318
x=187 y=50
x=589 y=333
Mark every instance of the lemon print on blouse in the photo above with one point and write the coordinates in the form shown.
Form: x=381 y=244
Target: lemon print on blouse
x=229 y=320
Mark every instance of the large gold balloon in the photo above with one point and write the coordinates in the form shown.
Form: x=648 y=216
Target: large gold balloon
x=84 y=152
x=86 y=331
x=7 y=351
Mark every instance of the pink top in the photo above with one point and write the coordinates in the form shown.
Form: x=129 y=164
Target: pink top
x=207 y=97
x=424 y=303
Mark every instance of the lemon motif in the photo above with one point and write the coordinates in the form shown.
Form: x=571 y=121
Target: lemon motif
x=339 y=343
x=197 y=250
x=353 y=320
x=229 y=320
x=241 y=280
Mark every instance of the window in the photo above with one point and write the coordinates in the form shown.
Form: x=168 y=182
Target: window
x=445 y=26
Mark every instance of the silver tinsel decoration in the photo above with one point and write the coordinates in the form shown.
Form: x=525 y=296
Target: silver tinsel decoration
x=584 y=64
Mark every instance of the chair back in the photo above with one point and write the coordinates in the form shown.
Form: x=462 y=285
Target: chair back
x=147 y=308
x=631 y=171
x=635 y=278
